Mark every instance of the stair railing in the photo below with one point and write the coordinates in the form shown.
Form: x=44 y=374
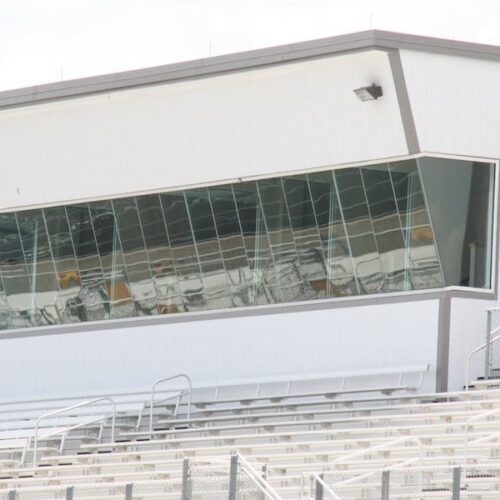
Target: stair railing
x=265 y=488
x=179 y=396
x=475 y=351
x=475 y=418
x=66 y=429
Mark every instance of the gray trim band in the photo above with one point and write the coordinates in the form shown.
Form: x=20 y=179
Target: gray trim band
x=404 y=102
x=371 y=39
x=317 y=305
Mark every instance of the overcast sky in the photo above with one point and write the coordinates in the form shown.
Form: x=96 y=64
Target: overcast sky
x=49 y=40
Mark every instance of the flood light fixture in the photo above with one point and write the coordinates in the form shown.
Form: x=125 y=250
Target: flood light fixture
x=371 y=93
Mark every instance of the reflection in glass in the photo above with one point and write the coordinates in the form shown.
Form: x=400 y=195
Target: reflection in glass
x=359 y=228
x=185 y=257
x=340 y=277
x=422 y=264
x=401 y=226
x=309 y=257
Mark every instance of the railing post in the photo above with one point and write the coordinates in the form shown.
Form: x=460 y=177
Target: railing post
x=318 y=489
x=233 y=477
x=487 y=350
x=264 y=476
x=69 y=493
x=129 y=491
x=12 y=495
x=186 y=480
x=456 y=483
x=385 y=485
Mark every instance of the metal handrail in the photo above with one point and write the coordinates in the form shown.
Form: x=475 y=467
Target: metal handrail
x=476 y=350
x=259 y=481
x=480 y=416
x=489 y=437
x=68 y=428
x=366 y=451
x=399 y=465
x=181 y=395
x=383 y=446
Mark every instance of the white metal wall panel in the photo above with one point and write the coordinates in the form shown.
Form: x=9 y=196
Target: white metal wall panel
x=223 y=350
x=263 y=121
x=454 y=102
x=467 y=332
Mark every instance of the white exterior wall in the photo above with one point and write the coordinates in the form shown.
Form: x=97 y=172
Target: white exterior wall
x=456 y=110
x=454 y=102
x=223 y=350
x=257 y=122
x=467 y=331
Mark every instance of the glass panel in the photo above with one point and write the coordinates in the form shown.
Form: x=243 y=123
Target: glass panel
x=39 y=265
x=68 y=305
x=115 y=288
x=363 y=246
x=422 y=265
x=186 y=262
x=208 y=249
x=338 y=262
x=232 y=244
x=309 y=252
x=5 y=312
x=459 y=196
x=283 y=250
x=264 y=280
x=165 y=277
x=386 y=226
x=16 y=281
x=407 y=225
x=135 y=257
x=92 y=302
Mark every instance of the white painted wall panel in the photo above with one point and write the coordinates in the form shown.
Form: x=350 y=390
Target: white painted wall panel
x=454 y=103
x=468 y=331
x=262 y=121
x=223 y=350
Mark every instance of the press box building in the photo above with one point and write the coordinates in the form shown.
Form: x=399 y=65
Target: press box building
x=323 y=207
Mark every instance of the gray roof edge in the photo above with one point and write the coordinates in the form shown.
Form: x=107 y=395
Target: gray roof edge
x=371 y=39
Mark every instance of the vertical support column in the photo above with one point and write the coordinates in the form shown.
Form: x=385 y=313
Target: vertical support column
x=385 y=485
x=186 y=480
x=233 y=477
x=69 y=492
x=443 y=343
x=456 y=483
x=319 y=489
x=129 y=491
x=12 y=495
x=264 y=476
x=487 y=351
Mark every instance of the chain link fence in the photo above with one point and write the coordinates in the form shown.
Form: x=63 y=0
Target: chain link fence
x=236 y=479
x=447 y=482
x=233 y=479
x=207 y=481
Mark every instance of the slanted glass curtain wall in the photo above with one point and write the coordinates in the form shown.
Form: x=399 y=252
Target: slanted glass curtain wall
x=391 y=227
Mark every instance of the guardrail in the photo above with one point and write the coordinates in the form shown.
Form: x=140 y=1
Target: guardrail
x=475 y=418
x=267 y=491
x=73 y=427
x=486 y=346
x=179 y=396
x=384 y=446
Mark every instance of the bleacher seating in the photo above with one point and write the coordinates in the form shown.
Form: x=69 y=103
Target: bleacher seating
x=330 y=439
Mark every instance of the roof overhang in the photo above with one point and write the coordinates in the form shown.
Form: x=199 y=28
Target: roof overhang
x=336 y=45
